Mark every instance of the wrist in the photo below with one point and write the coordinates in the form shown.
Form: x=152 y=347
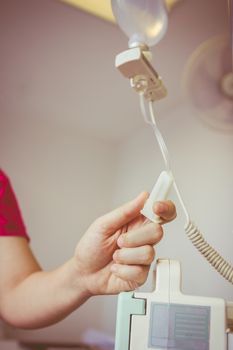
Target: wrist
x=79 y=280
x=72 y=291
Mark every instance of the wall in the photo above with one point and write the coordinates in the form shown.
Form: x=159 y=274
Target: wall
x=58 y=83
x=63 y=179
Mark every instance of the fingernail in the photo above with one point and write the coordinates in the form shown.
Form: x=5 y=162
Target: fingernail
x=115 y=255
x=160 y=207
x=120 y=242
x=113 y=268
x=141 y=195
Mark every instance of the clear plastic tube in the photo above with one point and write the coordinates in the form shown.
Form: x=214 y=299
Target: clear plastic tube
x=163 y=148
x=150 y=119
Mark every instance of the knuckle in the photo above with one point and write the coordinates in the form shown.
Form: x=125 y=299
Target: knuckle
x=149 y=254
x=142 y=274
x=158 y=232
x=127 y=213
x=124 y=239
x=100 y=224
x=116 y=256
x=133 y=285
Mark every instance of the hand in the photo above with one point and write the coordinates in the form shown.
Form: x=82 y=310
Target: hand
x=116 y=252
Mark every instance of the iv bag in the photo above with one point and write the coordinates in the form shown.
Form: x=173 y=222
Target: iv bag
x=143 y=21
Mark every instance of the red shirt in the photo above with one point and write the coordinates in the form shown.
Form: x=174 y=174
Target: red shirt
x=11 y=222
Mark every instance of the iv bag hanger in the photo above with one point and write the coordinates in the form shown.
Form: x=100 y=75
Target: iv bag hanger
x=135 y=65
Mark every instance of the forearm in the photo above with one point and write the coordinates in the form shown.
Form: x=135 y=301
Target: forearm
x=44 y=298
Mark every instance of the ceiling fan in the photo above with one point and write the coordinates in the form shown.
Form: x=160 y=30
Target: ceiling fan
x=208 y=79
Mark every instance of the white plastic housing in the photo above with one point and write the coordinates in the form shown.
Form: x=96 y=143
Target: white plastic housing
x=167 y=292
x=134 y=65
x=159 y=192
x=230 y=341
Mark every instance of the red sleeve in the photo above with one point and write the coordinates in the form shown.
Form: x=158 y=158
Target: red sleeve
x=11 y=222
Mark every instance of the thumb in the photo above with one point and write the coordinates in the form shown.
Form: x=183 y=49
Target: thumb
x=115 y=219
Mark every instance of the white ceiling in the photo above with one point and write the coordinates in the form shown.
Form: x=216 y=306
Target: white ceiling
x=57 y=63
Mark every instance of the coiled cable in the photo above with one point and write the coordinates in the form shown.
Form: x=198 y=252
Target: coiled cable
x=191 y=230
x=210 y=254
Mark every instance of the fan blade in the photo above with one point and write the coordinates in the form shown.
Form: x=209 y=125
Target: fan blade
x=230 y=5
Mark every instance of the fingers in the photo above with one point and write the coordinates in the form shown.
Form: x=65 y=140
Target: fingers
x=134 y=256
x=166 y=210
x=148 y=234
x=117 y=218
x=136 y=274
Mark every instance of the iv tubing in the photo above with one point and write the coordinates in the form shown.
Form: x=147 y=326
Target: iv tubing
x=163 y=148
x=193 y=233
